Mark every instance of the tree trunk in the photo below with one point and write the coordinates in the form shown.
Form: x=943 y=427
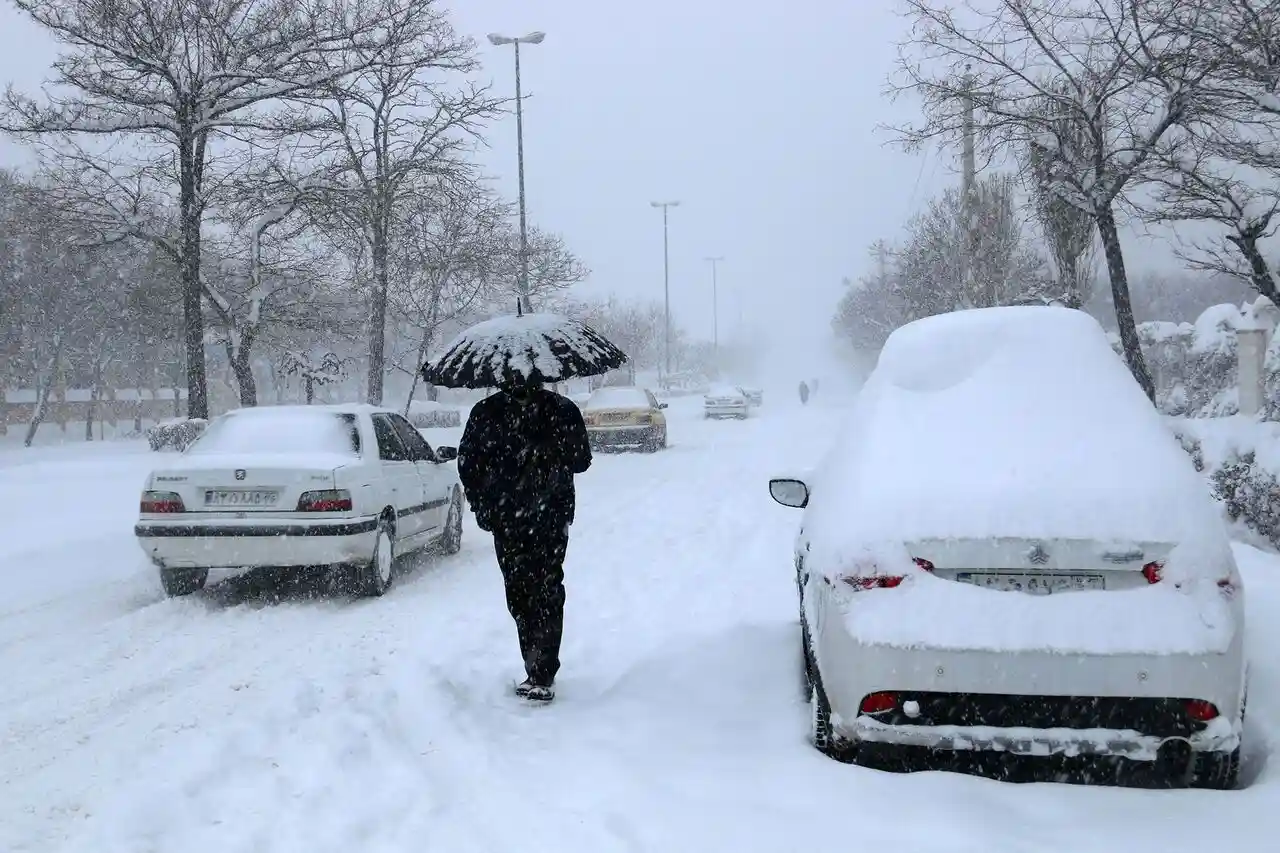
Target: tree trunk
x=191 y=150
x=1123 y=305
x=310 y=385
x=378 y=314
x=423 y=346
x=46 y=387
x=1259 y=270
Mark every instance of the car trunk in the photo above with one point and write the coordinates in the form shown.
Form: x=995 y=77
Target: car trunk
x=1043 y=566
x=234 y=485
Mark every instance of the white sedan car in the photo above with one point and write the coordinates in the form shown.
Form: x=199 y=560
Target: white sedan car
x=725 y=401
x=297 y=486
x=1008 y=560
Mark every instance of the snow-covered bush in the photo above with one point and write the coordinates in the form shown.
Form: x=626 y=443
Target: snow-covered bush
x=425 y=414
x=1241 y=459
x=175 y=433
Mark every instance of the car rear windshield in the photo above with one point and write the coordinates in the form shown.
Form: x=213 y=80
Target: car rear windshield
x=287 y=431
x=618 y=398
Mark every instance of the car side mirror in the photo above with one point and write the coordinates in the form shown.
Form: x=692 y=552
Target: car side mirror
x=663 y=405
x=446 y=454
x=789 y=492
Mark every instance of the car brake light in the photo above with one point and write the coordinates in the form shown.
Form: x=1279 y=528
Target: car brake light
x=328 y=500
x=161 y=502
x=922 y=563
x=878 y=703
x=874 y=582
x=1201 y=710
x=1153 y=572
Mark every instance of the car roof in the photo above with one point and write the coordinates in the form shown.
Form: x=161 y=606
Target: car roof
x=335 y=408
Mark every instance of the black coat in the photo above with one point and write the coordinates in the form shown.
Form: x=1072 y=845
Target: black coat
x=517 y=459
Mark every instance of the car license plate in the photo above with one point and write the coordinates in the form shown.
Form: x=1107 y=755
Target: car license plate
x=240 y=497
x=617 y=419
x=1034 y=584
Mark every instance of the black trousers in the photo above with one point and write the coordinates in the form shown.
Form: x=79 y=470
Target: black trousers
x=531 y=557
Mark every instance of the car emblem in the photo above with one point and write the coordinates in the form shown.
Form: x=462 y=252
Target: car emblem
x=1038 y=555
x=240 y=474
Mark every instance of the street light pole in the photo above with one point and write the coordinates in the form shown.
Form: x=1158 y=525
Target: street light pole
x=666 y=280
x=531 y=38
x=715 y=307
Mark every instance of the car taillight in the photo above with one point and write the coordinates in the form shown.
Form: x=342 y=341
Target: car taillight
x=1201 y=710
x=161 y=502
x=861 y=582
x=328 y=500
x=644 y=419
x=1153 y=572
x=877 y=703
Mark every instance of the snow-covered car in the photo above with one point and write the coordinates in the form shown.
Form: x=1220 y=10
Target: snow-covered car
x=625 y=417
x=725 y=401
x=300 y=486
x=1007 y=553
x=755 y=396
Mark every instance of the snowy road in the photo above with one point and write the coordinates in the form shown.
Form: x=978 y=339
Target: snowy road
x=239 y=720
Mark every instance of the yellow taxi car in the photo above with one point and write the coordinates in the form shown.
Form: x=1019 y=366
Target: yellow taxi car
x=625 y=416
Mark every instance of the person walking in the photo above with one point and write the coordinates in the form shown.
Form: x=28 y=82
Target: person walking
x=804 y=393
x=519 y=453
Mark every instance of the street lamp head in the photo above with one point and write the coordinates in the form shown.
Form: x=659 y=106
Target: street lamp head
x=494 y=38
x=664 y=204
x=533 y=38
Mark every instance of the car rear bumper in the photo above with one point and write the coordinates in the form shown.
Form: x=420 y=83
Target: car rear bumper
x=719 y=410
x=1037 y=703
x=629 y=434
x=256 y=544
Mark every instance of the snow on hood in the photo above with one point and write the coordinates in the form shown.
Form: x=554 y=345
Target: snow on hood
x=1005 y=422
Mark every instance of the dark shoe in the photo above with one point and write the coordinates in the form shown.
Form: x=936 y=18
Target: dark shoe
x=540 y=693
x=523 y=688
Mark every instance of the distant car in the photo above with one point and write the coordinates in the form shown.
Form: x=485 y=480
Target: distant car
x=1009 y=555
x=725 y=401
x=755 y=396
x=297 y=486
x=625 y=417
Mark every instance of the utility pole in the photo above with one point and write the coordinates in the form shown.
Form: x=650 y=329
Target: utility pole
x=666 y=281
x=532 y=38
x=969 y=196
x=715 y=307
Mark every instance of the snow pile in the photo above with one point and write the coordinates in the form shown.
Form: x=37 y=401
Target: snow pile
x=530 y=347
x=1241 y=459
x=1011 y=422
x=429 y=414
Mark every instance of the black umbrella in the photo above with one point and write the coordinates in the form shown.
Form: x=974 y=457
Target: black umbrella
x=539 y=348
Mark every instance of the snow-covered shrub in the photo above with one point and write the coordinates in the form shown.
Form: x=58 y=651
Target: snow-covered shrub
x=1250 y=493
x=1241 y=459
x=1212 y=363
x=429 y=415
x=175 y=433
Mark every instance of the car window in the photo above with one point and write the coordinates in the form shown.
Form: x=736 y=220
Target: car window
x=419 y=448
x=390 y=447
x=282 y=429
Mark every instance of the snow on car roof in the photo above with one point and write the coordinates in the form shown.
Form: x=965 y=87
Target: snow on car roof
x=1017 y=421
x=287 y=430
x=618 y=398
x=724 y=389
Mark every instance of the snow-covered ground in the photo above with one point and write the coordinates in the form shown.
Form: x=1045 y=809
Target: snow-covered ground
x=260 y=718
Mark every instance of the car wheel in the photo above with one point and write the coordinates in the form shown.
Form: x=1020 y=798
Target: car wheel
x=377 y=574
x=1219 y=771
x=451 y=540
x=822 y=734
x=806 y=664
x=178 y=582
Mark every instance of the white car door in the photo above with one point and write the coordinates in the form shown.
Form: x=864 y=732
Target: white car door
x=436 y=477
x=401 y=472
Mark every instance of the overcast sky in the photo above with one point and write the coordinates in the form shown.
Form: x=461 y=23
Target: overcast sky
x=759 y=118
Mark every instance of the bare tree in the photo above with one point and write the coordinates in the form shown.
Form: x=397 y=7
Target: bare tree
x=1039 y=72
x=181 y=75
x=1218 y=178
x=387 y=129
x=553 y=268
x=1069 y=231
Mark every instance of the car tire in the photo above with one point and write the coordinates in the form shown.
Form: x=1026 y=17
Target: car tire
x=179 y=582
x=375 y=576
x=451 y=539
x=821 y=732
x=806 y=664
x=1219 y=771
